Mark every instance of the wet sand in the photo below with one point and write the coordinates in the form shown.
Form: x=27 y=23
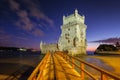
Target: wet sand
x=110 y=63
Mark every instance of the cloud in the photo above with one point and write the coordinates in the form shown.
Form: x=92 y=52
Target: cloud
x=1 y=31
x=25 y=24
x=17 y=40
x=36 y=12
x=4 y=37
x=31 y=10
x=43 y=25
x=13 y=5
x=24 y=21
x=40 y=15
x=11 y=40
x=38 y=32
x=109 y=40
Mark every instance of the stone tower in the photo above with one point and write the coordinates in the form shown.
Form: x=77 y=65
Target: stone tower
x=73 y=36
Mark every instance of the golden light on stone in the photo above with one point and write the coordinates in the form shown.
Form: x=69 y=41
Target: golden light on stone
x=72 y=38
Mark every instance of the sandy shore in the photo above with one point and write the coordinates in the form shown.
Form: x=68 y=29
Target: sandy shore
x=113 y=61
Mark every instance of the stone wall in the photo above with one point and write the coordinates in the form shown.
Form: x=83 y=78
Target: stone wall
x=48 y=47
x=73 y=36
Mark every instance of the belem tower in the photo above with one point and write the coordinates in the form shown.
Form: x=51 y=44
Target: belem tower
x=72 y=38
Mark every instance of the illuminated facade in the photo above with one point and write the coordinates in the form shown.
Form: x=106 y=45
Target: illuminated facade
x=48 y=47
x=72 y=38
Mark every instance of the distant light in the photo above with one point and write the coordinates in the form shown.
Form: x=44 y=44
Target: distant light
x=22 y=49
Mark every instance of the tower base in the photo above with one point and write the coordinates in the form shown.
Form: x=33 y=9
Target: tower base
x=77 y=51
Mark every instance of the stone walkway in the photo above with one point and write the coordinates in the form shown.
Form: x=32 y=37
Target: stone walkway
x=58 y=69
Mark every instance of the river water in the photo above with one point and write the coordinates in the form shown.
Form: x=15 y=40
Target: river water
x=18 y=68
x=11 y=68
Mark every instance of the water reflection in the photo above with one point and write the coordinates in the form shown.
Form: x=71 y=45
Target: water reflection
x=18 y=68
x=99 y=63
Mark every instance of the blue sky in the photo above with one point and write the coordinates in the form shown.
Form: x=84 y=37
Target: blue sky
x=24 y=23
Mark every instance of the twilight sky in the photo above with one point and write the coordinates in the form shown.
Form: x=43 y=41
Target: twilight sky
x=24 y=23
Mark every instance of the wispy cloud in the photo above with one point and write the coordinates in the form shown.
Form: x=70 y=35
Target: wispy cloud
x=14 y=5
x=24 y=21
x=36 y=12
x=7 y=39
x=4 y=35
x=29 y=22
x=2 y=31
x=33 y=10
x=38 y=32
x=109 y=40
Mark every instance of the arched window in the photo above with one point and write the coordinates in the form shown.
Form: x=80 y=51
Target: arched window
x=75 y=40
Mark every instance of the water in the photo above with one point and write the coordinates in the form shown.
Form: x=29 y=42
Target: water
x=90 y=52
x=18 y=68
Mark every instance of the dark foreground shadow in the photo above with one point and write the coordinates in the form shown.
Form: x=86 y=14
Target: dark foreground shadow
x=26 y=74
x=13 y=70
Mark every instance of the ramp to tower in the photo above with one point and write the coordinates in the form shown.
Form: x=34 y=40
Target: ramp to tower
x=55 y=68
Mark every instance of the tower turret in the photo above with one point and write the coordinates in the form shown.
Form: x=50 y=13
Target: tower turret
x=76 y=12
x=73 y=36
x=41 y=43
